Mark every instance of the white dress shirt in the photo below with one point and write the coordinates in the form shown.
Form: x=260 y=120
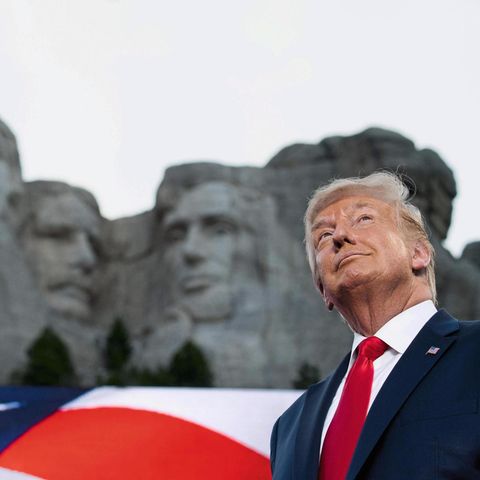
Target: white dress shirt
x=398 y=333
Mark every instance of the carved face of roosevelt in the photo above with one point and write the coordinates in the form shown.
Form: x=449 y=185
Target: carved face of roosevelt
x=61 y=246
x=208 y=245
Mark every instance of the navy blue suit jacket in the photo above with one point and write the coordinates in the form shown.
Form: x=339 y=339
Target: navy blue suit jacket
x=423 y=424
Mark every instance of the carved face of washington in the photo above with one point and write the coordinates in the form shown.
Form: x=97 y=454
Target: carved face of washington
x=207 y=244
x=11 y=185
x=60 y=243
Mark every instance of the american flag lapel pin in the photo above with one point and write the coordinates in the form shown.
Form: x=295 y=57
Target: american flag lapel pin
x=432 y=350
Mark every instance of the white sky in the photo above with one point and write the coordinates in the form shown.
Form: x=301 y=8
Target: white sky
x=107 y=94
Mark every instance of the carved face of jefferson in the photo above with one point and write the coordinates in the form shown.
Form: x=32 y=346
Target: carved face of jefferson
x=60 y=243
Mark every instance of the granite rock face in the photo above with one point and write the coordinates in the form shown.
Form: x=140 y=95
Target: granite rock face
x=471 y=253
x=11 y=185
x=61 y=237
x=221 y=270
x=218 y=260
x=23 y=313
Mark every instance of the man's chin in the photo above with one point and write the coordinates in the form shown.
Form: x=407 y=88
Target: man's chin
x=69 y=307
x=210 y=304
x=351 y=281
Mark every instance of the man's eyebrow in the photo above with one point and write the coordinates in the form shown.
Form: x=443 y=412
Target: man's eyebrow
x=215 y=217
x=323 y=222
x=173 y=222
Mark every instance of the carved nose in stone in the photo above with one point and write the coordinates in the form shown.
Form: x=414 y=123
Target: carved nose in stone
x=193 y=247
x=83 y=255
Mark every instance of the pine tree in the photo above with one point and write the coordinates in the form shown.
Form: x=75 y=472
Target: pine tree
x=146 y=377
x=49 y=362
x=189 y=367
x=118 y=348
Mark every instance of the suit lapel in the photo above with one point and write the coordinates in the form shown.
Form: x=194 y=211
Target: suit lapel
x=403 y=379
x=307 y=443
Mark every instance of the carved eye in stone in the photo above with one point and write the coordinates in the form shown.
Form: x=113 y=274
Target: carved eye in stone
x=55 y=232
x=175 y=233
x=219 y=226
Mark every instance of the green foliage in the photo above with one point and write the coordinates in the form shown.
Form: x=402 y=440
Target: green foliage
x=49 y=362
x=147 y=377
x=117 y=349
x=307 y=375
x=189 y=367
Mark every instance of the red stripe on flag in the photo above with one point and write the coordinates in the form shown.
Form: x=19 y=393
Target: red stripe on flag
x=122 y=443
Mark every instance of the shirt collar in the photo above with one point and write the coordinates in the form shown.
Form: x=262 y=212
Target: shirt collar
x=399 y=332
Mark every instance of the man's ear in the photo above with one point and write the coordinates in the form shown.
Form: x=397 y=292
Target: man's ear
x=420 y=256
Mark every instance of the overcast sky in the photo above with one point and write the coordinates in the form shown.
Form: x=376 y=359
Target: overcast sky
x=107 y=94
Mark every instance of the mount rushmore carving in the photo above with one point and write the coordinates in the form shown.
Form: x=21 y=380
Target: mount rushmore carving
x=218 y=261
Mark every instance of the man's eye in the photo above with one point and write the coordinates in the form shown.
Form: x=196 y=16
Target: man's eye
x=55 y=233
x=213 y=225
x=174 y=234
x=221 y=228
x=323 y=236
x=364 y=218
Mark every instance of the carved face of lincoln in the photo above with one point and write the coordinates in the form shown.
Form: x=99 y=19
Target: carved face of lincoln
x=208 y=244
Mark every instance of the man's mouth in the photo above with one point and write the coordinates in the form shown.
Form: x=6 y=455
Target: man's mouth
x=348 y=256
x=77 y=288
x=75 y=292
x=194 y=283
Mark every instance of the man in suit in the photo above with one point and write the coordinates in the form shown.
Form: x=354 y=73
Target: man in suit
x=404 y=403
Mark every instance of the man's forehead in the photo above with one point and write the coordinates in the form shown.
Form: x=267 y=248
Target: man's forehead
x=352 y=203
x=67 y=210
x=205 y=201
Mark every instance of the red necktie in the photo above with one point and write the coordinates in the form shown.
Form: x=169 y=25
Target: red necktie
x=342 y=435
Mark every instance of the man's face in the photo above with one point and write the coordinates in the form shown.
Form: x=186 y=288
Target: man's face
x=357 y=241
x=60 y=246
x=205 y=238
x=10 y=186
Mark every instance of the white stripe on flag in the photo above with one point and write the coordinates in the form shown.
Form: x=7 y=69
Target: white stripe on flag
x=6 y=474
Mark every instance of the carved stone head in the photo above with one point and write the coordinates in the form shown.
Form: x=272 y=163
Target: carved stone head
x=210 y=248
x=61 y=238
x=11 y=185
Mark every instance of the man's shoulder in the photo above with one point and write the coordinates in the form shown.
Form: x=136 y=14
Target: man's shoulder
x=469 y=332
x=466 y=333
x=450 y=324
x=470 y=327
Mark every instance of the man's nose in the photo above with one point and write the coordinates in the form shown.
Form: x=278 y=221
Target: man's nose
x=194 y=246
x=83 y=255
x=342 y=234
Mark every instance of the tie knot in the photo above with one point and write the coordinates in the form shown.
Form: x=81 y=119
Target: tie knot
x=372 y=348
